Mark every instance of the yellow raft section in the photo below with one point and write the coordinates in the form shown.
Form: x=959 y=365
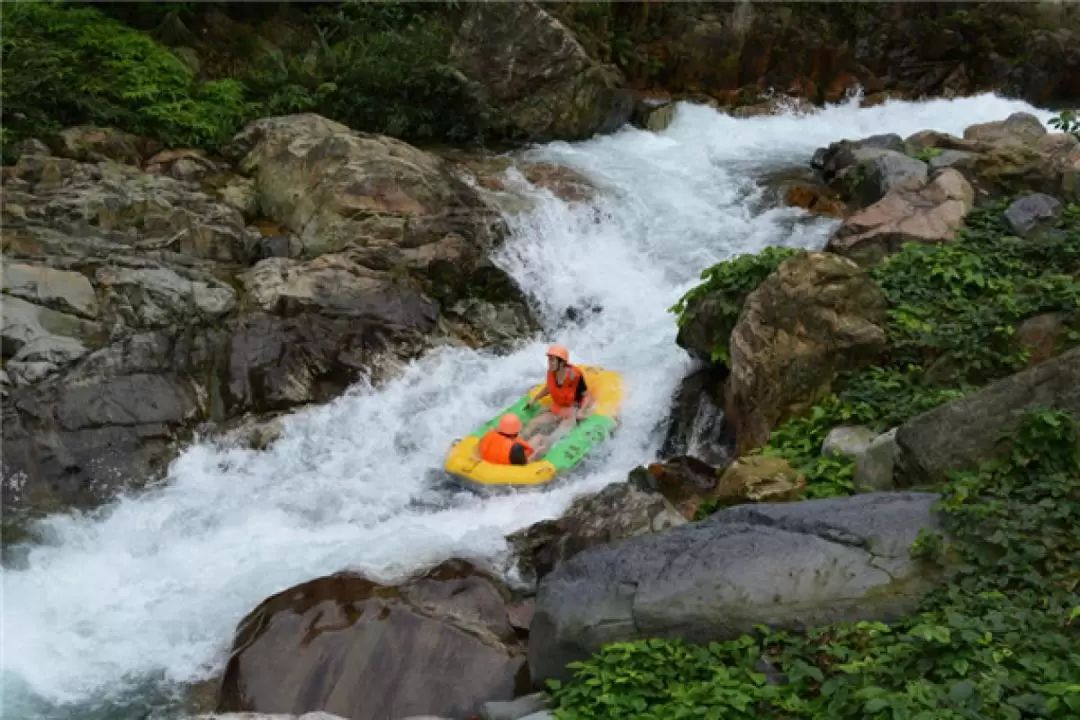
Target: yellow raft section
x=464 y=460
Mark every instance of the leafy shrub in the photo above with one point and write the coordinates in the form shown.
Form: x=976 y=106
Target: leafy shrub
x=64 y=66
x=721 y=295
x=953 y=312
x=379 y=67
x=1067 y=121
x=1000 y=640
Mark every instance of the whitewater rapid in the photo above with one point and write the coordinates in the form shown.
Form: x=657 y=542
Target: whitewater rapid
x=114 y=611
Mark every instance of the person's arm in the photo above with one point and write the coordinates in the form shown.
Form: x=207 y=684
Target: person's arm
x=536 y=398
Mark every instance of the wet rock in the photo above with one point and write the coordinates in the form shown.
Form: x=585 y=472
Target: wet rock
x=329 y=644
x=816 y=200
x=849 y=441
x=653 y=114
x=1026 y=214
x=931 y=214
x=813 y=318
x=685 y=481
x=105 y=426
x=618 y=511
x=1020 y=128
x=789 y=566
x=696 y=426
x=503 y=178
x=276 y=363
x=874 y=466
x=64 y=291
x=964 y=432
x=535 y=76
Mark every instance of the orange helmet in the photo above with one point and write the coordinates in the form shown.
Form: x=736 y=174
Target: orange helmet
x=560 y=352
x=509 y=424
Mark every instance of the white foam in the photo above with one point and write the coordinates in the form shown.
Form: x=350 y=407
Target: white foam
x=156 y=588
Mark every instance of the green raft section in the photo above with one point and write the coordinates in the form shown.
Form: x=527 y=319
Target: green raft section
x=571 y=448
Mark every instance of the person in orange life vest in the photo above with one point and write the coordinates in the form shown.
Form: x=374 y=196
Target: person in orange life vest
x=502 y=445
x=566 y=385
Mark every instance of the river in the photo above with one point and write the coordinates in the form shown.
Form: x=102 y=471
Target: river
x=116 y=612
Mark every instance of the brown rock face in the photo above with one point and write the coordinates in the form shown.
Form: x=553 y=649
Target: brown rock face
x=757 y=478
x=815 y=200
x=535 y=75
x=391 y=204
x=817 y=315
x=928 y=214
x=440 y=644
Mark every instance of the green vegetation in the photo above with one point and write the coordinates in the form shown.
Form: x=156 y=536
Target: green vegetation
x=953 y=314
x=723 y=292
x=66 y=66
x=1001 y=640
x=377 y=67
x=1067 y=121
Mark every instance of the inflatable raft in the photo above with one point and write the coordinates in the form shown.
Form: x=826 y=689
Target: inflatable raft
x=463 y=462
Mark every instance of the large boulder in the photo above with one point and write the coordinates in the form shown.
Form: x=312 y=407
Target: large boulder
x=816 y=316
x=964 y=432
x=789 y=566
x=618 y=511
x=392 y=205
x=1019 y=128
x=930 y=213
x=439 y=644
x=534 y=75
x=1049 y=164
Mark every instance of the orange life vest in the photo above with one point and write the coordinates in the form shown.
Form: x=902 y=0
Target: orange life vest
x=564 y=395
x=495 y=447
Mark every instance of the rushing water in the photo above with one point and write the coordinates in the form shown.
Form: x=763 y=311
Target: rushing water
x=118 y=609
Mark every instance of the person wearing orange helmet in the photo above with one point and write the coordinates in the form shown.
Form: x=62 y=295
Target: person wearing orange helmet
x=566 y=386
x=502 y=444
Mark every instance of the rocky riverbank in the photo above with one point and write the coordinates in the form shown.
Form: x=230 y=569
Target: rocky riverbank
x=149 y=297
